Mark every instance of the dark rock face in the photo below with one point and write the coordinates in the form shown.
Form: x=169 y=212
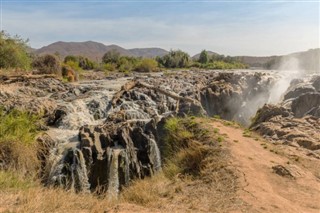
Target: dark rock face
x=235 y=96
x=57 y=116
x=298 y=90
x=295 y=121
x=316 y=83
x=307 y=103
x=136 y=150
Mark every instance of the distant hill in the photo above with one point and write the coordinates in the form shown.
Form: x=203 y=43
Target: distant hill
x=306 y=60
x=256 y=61
x=210 y=53
x=148 y=52
x=95 y=51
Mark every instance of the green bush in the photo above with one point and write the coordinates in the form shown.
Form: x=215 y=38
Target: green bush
x=124 y=65
x=18 y=131
x=204 y=57
x=79 y=62
x=74 y=65
x=174 y=59
x=71 y=58
x=13 y=52
x=112 y=56
x=47 y=64
x=110 y=67
x=147 y=65
x=18 y=126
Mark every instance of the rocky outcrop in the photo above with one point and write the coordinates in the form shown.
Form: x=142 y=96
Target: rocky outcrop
x=295 y=121
x=134 y=147
x=306 y=104
x=104 y=136
x=236 y=96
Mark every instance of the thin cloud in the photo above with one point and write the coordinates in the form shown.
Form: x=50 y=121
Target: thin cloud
x=212 y=30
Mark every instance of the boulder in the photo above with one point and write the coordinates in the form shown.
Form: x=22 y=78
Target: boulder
x=307 y=103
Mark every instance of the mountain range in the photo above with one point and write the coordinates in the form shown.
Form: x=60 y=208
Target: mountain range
x=94 y=51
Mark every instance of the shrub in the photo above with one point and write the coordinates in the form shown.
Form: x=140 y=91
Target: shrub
x=69 y=74
x=13 y=52
x=74 y=65
x=70 y=58
x=124 y=65
x=47 y=64
x=147 y=65
x=86 y=63
x=18 y=125
x=112 y=56
x=79 y=62
x=203 y=58
x=18 y=130
x=110 y=67
x=174 y=59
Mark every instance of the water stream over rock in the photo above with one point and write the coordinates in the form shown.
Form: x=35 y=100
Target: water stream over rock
x=108 y=132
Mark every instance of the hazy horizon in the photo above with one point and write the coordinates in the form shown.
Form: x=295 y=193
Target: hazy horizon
x=254 y=28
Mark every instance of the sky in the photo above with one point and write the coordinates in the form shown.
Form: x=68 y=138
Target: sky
x=229 y=27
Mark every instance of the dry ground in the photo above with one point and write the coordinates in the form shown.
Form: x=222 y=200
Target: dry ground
x=262 y=188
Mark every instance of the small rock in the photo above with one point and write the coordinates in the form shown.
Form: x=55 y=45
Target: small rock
x=282 y=171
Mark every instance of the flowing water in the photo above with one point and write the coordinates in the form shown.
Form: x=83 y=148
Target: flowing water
x=66 y=163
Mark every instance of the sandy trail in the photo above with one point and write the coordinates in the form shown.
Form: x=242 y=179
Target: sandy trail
x=263 y=189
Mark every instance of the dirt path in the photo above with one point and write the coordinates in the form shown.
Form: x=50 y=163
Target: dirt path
x=261 y=187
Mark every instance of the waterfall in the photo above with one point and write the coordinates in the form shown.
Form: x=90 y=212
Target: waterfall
x=68 y=170
x=113 y=185
x=66 y=166
x=155 y=154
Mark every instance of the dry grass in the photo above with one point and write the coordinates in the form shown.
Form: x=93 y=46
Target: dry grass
x=38 y=199
x=17 y=157
x=149 y=190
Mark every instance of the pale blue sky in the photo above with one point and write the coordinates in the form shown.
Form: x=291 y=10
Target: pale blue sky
x=227 y=27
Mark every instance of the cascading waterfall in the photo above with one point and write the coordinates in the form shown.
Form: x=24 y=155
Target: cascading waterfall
x=113 y=185
x=156 y=154
x=69 y=170
x=67 y=167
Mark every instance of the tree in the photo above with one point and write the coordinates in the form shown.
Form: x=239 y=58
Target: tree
x=204 y=58
x=13 y=52
x=111 y=56
x=175 y=59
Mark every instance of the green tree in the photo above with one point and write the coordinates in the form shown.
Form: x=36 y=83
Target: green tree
x=204 y=58
x=13 y=52
x=175 y=59
x=112 y=56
